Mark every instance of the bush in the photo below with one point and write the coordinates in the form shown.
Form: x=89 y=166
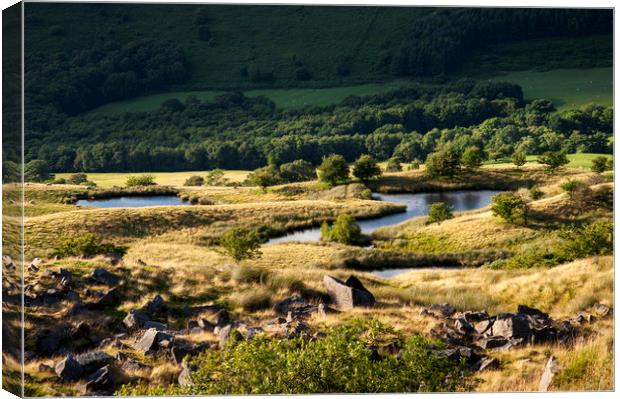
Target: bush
x=296 y=171
x=443 y=163
x=333 y=170
x=509 y=207
x=194 y=181
x=393 y=165
x=264 y=177
x=249 y=274
x=366 y=194
x=415 y=165
x=240 y=244
x=593 y=239
x=472 y=157
x=601 y=164
x=519 y=158
x=342 y=362
x=366 y=168
x=143 y=180
x=37 y=171
x=536 y=193
x=77 y=178
x=215 y=177
x=345 y=230
x=439 y=212
x=553 y=160
x=86 y=245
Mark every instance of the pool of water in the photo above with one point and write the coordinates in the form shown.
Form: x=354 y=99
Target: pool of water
x=417 y=205
x=389 y=273
x=134 y=202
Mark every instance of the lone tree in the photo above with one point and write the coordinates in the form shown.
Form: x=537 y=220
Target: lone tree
x=601 y=164
x=472 y=157
x=240 y=244
x=37 y=171
x=299 y=170
x=554 y=160
x=393 y=165
x=518 y=158
x=216 y=178
x=439 y=212
x=345 y=230
x=265 y=177
x=194 y=181
x=509 y=207
x=443 y=163
x=333 y=170
x=366 y=168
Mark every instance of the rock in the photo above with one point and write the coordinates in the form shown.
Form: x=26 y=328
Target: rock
x=224 y=335
x=205 y=324
x=191 y=324
x=551 y=369
x=601 y=310
x=487 y=363
x=178 y=353
x=523 y=309
x=133 y=365
x=346 y=296
x=110 y=298
x=583 y=317
x=103 y=276
x=492 y=342
x=462 y=326
x=222 y=318
x=68 y=369
x=150 y=340
x=113 y=259
x=155 y=305
x=135 y=319
x=48 y=342
x=82 y=330
x=296 y=305
x=47 y=366
x=441 y=310
x=511 y=326
x=156 y=325
x=7 y=261
x=91 y=361
x=483 y=326
x=103 y=381
x=185 y=377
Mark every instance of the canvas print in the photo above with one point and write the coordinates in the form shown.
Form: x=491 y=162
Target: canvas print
x=288 y=199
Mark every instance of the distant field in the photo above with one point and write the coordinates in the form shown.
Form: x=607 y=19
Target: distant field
x=284 y=98
x=576 y=160
x=567 y=88
x=163 y=178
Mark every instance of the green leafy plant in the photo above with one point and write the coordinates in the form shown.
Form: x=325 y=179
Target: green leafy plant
x=345 y=230
x=393 y=165
x=366 y=168
x=87 y=245
x=143 y=180
x=333 y=170
x=519 y=158
x=509 y=207
x=601 y=164
x=553 y=160
x=240 y=244
x=440 y=211
x=194 y=181
x=472 y=158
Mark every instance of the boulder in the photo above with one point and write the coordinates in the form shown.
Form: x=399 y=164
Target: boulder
x=205 y=324
x=509 y=325
x=48 y=342
x=551 y=369
x=155 y=305
x=462 y=326
x=483 y=326
x=104 y=381
x=178 y=353
x=224 y=335
x=296 y=305
x=110 y=298
x=156 y=325
x=132 y=365
x=150 y=340
x=523 y=309
x=222 y=318
x=492 y=342
x=185 y=377
x=135 y=319
x=347 y=295
x=441 y=310
x=81 y=330
x=91 y=361
x=103 y=276
x=487 y=363
x=601 y=310
x=68 y=369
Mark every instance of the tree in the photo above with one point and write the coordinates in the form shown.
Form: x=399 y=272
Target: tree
x=601 y=164
x=443 y=163
x=518 y=158
x=265 y=177
x=439 y=212
x=215 y=177
x=472 y=157
x=393 y=165
x=11 y=172
x=144 y=180
x=553 y=159
x=240 y=244
x=194 y=181
x=333 y=170
x=509 y=207
x=366 y=168
x=37 y=171
x=345 y=230
x=299 y=170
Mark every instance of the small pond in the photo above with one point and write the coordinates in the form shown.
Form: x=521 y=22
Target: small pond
x=417 y=205
x=389 y=273
x=133 y=202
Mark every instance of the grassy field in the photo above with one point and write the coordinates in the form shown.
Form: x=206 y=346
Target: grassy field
x=583 y=160
x=283 y=98
x=106 y=180
x=567 y=88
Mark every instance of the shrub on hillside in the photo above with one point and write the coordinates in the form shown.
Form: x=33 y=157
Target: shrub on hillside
x=194 y=181
x=216 y=177
x=518 y=158
x=77 y=178
x=264 y=177
x=472 y=157
x=333 y=170
x=509 y=207
x=87 y=245
x=366 y=168
x=439 y=212
x=143 y=180
x=342 y=362
x=554 y=160
x=443 y=163
x=393 y=165
x=297 y=171
x=601 y=164
x=240 y=244
x=535 y=193
x=345 y=230
x=593 y=239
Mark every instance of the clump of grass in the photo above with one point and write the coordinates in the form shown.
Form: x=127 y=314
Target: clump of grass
x=252 y=300
x=587 y=367
x=87 y=245
x=165 y=374
x=248 y=275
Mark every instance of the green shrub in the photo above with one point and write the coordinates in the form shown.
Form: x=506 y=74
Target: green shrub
x=215 y=177
x=415 y=165
x=553 y=160
x=87 y=245
x=333 y=170
x=443 y=163
x=37 y=171
x=205 y=201
x=339 y=363
x=265 y=177
x=366 y=168
x=393 y=165
x=509 y=207
x=240 y=243
x=59 y=181
x=345 y=230
x=472 y=157
x=593 y=239
x=194 y=181
x=77 y=178
x=536 y=193
x=296 y=171
x=439 y=212
x=601 y=164
x=143 y=180
x=519 y=158
x=366 y=194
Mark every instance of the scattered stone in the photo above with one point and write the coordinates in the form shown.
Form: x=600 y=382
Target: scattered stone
x=156 y=325
x=487 y=363
x=113 y=259
x=68 y=369
x=103 y=276
x=135 y=319
x=551 y=369
x=222 y=318
x=349 y=294
x=185 y=377
x=601 y=310
x=508 y=325
x=47 y=366
x=103 y=381
x=110 y=298
x=155 y=305
x=296 y=305
x=526 y=310
x=441 y=310
x=91 y=361
x=133 y=365
x=48 y=342
x=462 y=326
x=151 y=339
x=224 y=335
x=205 y=324
x=82 y=330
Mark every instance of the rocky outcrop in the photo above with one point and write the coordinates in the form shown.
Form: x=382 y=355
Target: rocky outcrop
x=551 y=369
x=68 y=369
x=135 y=319
x=349 y=294
x=102 y=276
x=151 y=339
